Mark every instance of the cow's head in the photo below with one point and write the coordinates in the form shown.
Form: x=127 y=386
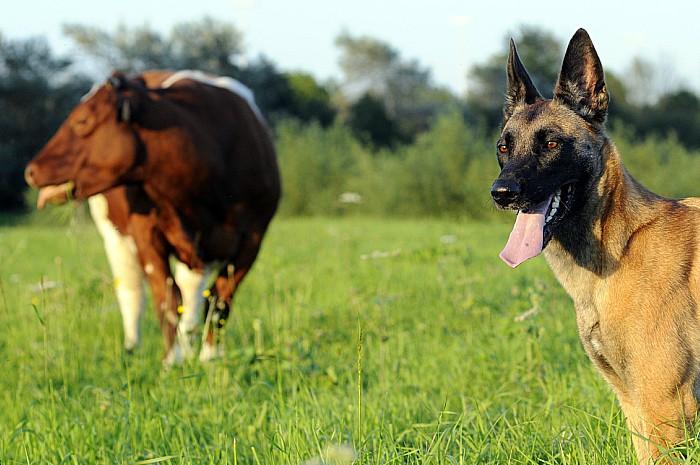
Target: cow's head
x=95 y=148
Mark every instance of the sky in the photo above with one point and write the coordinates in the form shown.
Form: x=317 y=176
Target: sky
x=446 y=36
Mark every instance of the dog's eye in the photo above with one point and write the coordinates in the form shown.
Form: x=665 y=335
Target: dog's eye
x=552 y=144
x=503 y=148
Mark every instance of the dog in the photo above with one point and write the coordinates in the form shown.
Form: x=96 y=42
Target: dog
x=629 y=258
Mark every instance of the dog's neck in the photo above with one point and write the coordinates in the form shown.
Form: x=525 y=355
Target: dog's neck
x=584 y=249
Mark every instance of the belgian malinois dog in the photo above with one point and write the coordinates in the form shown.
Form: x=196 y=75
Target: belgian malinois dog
x=629 y=259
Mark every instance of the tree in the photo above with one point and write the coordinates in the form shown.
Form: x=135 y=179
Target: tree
x=620 y=107
x=128 y=50
x=309 y=100
x=373 y=68
x=650 y=81
x=677 y=112
x=368 y=66
x=369 y=122
x=209 y=45
x=36 y=94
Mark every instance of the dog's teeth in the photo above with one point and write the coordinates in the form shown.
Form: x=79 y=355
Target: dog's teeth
x=554 y=207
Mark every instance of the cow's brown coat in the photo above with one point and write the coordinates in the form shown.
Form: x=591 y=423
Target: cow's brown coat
x=192 y=172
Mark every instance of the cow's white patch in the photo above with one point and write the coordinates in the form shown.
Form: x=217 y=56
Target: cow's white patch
x=190 y=282
x=210 y=352
x=175 y=355
x=93 y=90
x=128 y=279
x=148 y=268
x=193 y=286
x=223 y=82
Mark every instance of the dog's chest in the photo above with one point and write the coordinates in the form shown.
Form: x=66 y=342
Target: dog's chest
x=601 y=346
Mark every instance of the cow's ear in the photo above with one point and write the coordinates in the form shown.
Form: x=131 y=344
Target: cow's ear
x=117 y=81
x=520 y=87
x=126 y=97
x=581 y=83
x=125 y=108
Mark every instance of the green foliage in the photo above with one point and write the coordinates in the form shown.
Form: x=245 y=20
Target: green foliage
x=310 y=101
x=208 y=44
x=375 y=76
x=368 y=65
x=664 y=165
x=317 y=165
x=407 y=342
x=448 y=171
x=370 y=123
x=33 y=101
x=677 y=112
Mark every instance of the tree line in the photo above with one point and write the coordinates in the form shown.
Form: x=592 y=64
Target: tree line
x=382 y=120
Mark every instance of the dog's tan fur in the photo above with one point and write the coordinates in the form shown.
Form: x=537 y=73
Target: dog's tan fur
x=637 y=314
x=629 y=259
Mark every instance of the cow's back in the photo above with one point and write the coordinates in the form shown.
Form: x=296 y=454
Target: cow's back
x=230 y=133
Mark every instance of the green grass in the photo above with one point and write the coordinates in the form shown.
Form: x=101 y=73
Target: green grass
x=398 y=339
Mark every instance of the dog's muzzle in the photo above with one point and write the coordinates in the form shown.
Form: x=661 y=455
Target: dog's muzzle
x=505 y=193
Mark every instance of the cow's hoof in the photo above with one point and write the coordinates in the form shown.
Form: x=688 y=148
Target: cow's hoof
x=174 y=356
x=130 y=346
x=210 y=352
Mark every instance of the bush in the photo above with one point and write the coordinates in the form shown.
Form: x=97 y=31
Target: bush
x=447 y=172
x=317 y=166
x=663 y=165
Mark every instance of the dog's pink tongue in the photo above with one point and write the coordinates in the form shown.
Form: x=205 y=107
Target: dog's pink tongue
x=526 y=239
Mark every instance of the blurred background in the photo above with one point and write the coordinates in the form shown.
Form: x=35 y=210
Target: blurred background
x=377 y=108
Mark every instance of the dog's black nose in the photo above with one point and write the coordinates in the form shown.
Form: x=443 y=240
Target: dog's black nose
x=505 y=192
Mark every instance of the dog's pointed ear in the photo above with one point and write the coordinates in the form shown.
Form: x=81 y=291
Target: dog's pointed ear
x=581 y=83
x=520 y=87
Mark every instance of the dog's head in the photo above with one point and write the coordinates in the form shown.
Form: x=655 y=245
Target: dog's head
x=549 y=150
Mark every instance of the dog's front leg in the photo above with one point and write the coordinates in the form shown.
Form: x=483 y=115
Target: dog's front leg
x=667 y=425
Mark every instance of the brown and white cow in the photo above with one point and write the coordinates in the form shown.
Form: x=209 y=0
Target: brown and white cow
x=187 y=162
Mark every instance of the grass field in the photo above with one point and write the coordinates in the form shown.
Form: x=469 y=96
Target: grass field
x=354 y=340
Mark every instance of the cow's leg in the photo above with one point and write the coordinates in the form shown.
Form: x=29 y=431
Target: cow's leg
x=128 y=284
x=126 y=271
x=224 y=288
x=192 y=284
x=154 y=254
x=217 y=311
x=167 y=301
